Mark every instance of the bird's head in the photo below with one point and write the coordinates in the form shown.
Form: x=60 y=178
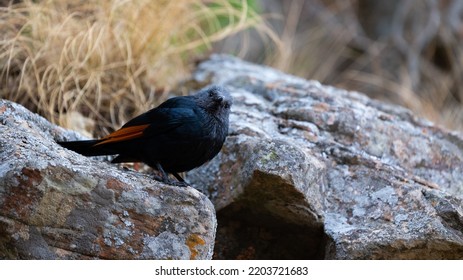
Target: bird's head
x=216 y=100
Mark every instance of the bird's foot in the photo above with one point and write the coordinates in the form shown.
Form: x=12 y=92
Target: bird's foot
x=170 y=182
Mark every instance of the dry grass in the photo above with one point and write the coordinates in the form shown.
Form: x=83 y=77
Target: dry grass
x=115 y=59
x=107 y=61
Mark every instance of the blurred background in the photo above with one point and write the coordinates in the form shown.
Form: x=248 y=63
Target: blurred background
x=93 y=66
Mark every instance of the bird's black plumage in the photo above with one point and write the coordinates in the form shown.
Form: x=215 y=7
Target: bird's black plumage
x=179 y=135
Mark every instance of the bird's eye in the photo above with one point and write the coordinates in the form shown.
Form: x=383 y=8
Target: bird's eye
x=211 y=94
x=227 y=105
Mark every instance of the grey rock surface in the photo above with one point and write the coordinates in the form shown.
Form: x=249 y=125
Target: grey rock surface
x=56 y=204
x=315 y=172
x=308 y=172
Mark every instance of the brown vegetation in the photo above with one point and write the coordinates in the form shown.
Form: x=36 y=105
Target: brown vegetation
x=112 y=60
x=106 y=60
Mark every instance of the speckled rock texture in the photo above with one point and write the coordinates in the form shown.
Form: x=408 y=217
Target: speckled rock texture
x=56 y=204
x=315 y=172
x=308 y=172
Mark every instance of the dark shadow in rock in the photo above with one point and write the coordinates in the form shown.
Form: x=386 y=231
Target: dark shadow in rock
x=244 y=234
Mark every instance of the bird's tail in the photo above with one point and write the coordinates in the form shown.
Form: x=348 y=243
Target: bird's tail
x=88 y=148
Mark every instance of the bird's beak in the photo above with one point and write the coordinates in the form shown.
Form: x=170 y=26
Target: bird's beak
x=218 y=99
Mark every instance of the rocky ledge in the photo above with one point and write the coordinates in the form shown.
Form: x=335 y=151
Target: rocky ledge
x=308 y=172
x=56 y=204
x=316 y=172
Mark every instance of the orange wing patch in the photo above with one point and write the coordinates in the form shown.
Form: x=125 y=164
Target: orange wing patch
x=124 y=134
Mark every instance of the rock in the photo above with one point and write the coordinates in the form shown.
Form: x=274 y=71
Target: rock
x=308 y=172
x=56 y=204
x=315 y=172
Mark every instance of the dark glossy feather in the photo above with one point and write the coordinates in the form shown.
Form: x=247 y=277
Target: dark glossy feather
x=179 y=135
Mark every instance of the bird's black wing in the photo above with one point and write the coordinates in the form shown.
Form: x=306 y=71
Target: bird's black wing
x=170 y=115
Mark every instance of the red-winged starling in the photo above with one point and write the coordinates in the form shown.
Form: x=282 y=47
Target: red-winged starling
x=179 y=135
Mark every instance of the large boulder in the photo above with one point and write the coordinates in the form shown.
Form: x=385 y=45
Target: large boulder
x=315 y=172
x=308 y=172
x=56 y=204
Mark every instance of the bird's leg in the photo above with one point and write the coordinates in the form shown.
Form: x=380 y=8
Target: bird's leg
x=165 y=178
x=178 y=177
x=181 y=181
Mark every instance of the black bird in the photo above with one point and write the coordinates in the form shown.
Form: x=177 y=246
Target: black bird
x=179 y=135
